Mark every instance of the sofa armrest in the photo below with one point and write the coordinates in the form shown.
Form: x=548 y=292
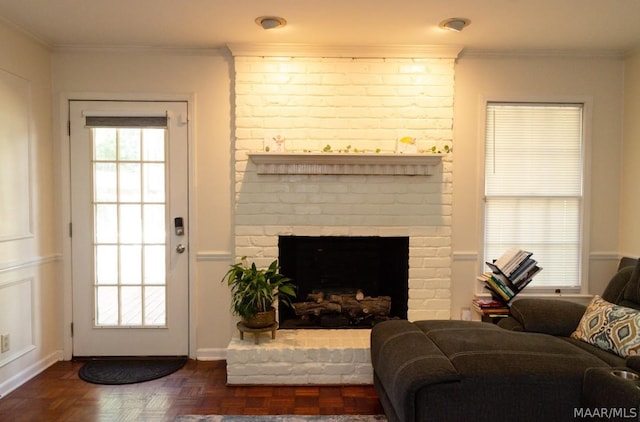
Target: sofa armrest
x=510 y=323
x=548 y=316
x=405 y=360
x=633 y=362
x=602 y=389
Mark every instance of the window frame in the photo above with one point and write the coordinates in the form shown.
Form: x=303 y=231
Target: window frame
x=587 y=105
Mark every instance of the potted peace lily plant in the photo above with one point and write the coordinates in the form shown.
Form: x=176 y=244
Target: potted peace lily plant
x=255 y=290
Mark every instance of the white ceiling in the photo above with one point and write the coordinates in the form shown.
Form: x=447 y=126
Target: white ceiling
x=546 y=25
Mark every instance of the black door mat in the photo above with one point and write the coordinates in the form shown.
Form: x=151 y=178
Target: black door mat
x=116 y=371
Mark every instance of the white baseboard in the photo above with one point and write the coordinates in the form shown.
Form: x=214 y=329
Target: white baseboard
x=211 y=354
x=31 y=371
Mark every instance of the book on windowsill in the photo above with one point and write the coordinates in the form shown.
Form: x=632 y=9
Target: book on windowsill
x=489 y=306
x=511 y=260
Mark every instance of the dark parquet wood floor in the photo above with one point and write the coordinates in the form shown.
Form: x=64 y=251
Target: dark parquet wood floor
x=199 y=388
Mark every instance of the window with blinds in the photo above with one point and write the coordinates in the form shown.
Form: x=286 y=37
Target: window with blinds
x=534 y=187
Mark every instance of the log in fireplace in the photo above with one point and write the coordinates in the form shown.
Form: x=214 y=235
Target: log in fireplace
x=344 y=281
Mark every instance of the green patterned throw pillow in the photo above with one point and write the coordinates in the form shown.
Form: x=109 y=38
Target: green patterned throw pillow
x=610 y=327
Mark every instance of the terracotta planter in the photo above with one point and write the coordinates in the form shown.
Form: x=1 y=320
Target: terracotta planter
x=261 y=319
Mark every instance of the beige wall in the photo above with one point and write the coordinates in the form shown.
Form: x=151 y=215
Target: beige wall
x=209 y=76
x=598 y=80
x=630 y=170
x=205 y=75
x=29 y=282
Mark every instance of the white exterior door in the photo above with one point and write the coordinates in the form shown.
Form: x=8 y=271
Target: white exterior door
x=129 y=232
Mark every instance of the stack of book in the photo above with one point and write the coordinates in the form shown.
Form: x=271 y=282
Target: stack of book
x=509 y=274
x=490 y=307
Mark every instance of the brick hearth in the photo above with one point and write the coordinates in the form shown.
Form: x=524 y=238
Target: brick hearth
x=301 y=357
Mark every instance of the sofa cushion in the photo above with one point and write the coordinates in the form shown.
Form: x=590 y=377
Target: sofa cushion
x=505 y=375
x=609 y=358
x=462 y=370
x=502 y=354
x=610 y=327
x=406 y=360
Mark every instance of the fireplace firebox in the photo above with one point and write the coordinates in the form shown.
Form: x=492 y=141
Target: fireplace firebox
x=344 y=281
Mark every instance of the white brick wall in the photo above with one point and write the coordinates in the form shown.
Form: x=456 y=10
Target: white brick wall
x=365 y=103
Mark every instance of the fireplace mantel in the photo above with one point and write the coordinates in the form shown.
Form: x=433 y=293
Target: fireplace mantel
x=345 y=163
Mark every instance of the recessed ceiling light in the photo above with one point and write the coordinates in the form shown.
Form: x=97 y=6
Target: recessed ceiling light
x=455 y=24
x=271 y=22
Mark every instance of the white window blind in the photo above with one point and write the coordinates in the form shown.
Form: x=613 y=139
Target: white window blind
x=534 y=187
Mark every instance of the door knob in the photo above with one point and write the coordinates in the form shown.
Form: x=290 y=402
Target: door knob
x=181 y=248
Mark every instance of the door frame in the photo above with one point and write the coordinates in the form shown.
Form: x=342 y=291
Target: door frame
x=65 y=208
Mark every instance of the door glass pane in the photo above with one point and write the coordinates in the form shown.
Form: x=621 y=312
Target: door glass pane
x=129 y=144
x=154 y=264
x=153 y=144
x=131 y=306
x=130 y=223
x=106 y=223
x=154 y=222
x=154 y=305
x=129 y=182
x=130 y=227
x=107 y=305
x=154 y=182
x=106 y=264
x=105 y=144
x=130 y=264
x=105 y=182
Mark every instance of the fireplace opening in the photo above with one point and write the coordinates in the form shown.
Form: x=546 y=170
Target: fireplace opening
x=344 y=281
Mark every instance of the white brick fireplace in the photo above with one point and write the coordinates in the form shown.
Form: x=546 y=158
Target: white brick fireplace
x=321 y=99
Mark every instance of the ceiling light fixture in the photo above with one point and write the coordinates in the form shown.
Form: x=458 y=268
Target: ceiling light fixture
x=271 y=22
x=455 y=24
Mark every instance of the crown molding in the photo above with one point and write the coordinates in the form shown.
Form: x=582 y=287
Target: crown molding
x=516 y=53
x=342 y=51
x=22 y=30
x=139 y=49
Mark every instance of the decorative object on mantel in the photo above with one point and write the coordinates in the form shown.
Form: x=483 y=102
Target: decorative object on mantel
x=346 y=164
x=274 y=143
x=404 y=145
x=254 y=291
x=407 y=145
x=329 y=149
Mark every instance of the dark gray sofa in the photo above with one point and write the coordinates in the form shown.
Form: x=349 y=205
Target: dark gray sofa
x=530 y=371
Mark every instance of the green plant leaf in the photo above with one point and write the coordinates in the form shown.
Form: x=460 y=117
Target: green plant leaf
x=256 y=290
